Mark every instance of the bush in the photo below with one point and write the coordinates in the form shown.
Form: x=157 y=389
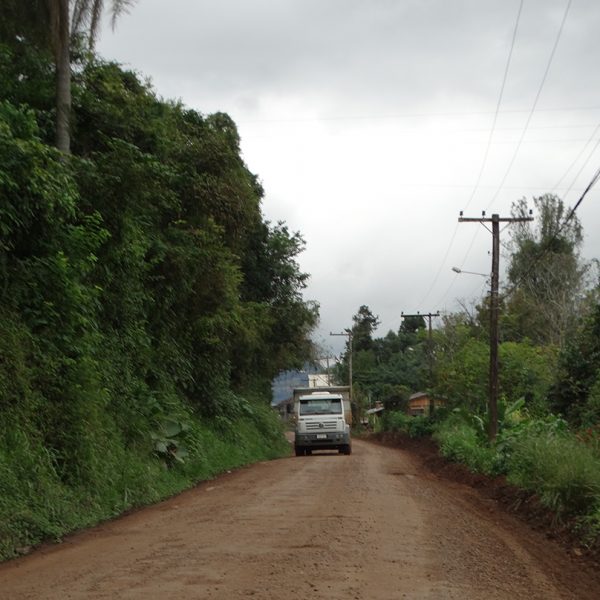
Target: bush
x=590 y=436
x=590 y=411
x=462 y=443
x=589 y=527
x=37 y=504
x=523 y=427
x=563 y=472
x=418 y=426
x=143 y=298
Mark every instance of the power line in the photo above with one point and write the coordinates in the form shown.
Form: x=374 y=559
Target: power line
x=548 y=245
x=478 y=288
x=498 y=103
x=533 y=107
x=442 y=265
x=443 y=130
x=443 y=298
x=485 y=156
x=585 y=192
x=465 y=259
x=587 y=160
x=469 y=185
x=554 y=189
x=557 y=186
x=450 y=128
x=527 y=122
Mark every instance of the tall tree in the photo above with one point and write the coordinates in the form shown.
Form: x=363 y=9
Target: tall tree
x=365 y=323
x=67 y=19
x=412 y=324
x=547 y=274
x=60 y=39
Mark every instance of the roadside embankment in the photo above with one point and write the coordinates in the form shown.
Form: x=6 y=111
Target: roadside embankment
x=526 y=505
x=37 y=503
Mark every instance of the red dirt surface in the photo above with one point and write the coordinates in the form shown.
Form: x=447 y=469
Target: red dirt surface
x=514 y=500
x=376 y=525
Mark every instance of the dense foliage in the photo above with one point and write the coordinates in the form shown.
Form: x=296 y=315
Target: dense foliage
x=549 y=407
x=385 y=369
x=549 y=331
x=145 y=302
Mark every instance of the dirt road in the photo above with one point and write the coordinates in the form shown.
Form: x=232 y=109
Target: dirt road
x=370 y=526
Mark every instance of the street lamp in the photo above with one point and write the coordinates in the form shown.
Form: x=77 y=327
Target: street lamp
x=457 y=270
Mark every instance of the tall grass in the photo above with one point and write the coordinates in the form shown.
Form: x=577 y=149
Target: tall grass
x=37 y=503
x=460 y=442
x=416 y=426
x=562 y=471
x=538 y=455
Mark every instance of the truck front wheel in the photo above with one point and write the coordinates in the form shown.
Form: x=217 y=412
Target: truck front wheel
x=348 y=449
x=300 y=451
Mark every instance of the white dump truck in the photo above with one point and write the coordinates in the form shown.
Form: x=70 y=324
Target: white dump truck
x=323 y=419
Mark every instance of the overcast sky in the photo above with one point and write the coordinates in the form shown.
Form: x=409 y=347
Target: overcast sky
x=368 y=122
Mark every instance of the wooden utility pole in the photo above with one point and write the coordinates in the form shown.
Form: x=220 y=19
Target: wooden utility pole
x=348 y=333
x=429 y=316
x=495 y=220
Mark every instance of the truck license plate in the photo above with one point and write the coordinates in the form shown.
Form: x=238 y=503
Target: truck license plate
x=321 y=436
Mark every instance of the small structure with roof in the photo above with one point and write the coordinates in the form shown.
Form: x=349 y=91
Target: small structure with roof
x=420 y=402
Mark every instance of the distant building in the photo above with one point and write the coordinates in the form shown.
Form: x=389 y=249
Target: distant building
x=286 y=381
x=320 y=380
x=419 y=403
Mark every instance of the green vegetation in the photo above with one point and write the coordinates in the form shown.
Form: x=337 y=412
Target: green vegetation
x=40 y=502
x=145 y=302
x=399 y=421
x=387 y=369
x=539 y=455
x=549 y=408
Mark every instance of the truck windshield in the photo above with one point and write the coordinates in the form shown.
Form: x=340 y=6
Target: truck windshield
x=321 y=406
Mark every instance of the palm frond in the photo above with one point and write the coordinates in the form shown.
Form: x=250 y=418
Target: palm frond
x=120 y=7
x=86 y=16
x=95 y=16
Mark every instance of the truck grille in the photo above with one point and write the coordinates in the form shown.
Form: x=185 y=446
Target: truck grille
x=315 y=426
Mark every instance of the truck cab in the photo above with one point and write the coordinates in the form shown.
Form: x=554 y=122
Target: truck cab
x=322 y=422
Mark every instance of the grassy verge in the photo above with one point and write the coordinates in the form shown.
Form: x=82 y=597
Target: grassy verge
x=541 y=456
x=461 y=443
x=538 y=455
x=42 y=499
x=413 y=426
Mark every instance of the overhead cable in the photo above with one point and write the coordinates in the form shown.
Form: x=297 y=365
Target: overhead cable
x=485 y=156
x=534 y=105
x=498 y=103
x=589 y=140
x=527 y=122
